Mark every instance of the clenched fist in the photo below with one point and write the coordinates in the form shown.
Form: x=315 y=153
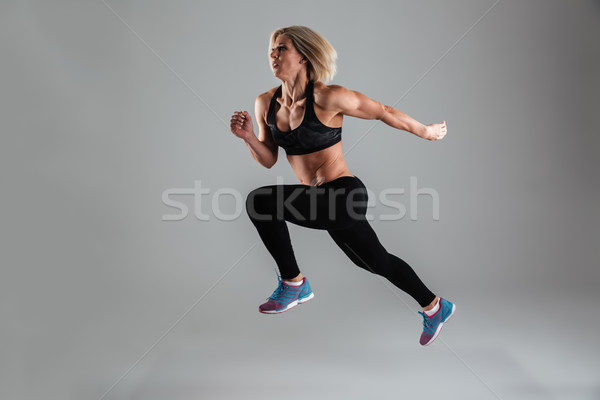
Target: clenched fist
x=435 y=131
x=241 y=124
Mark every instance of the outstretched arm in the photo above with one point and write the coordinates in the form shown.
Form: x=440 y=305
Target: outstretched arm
x=355 y=104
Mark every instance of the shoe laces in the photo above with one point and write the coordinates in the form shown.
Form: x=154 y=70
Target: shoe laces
x=426 y=322
x=280 y=289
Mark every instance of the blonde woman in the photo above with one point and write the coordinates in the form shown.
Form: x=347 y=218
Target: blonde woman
x=304 y=117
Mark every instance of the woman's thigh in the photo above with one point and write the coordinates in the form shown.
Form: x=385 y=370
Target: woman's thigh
x=336 y=205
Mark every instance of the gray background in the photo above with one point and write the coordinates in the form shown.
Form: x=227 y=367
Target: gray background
x=101 y=298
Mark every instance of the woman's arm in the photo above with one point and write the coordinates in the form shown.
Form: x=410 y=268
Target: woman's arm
x=262 y=148
x=355 y=104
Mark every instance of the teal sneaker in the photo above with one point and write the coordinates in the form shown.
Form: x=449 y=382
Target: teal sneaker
x=287 y=296
x=433 y=325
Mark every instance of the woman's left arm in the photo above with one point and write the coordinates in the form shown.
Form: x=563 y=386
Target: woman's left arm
x=355 y=104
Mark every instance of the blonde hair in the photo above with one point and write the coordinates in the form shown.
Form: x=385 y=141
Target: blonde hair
x=320 y=54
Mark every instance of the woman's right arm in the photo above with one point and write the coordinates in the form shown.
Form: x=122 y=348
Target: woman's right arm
x=262 y=148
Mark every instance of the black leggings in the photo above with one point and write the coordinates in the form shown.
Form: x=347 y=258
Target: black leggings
x=339 y=207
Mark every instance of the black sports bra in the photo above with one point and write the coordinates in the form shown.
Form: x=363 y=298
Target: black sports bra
x=312 y=135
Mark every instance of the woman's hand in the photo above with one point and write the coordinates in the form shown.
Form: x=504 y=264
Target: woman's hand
x=435 y=131
x=241 y=124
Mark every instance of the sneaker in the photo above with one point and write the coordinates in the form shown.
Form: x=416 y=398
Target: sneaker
x=286 y=297
x=433 y=325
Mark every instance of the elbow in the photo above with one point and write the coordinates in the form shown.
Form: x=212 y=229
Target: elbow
x=385 y=110
x=269 y=164
x=272 y=160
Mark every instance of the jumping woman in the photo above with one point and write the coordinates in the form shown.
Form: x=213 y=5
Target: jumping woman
x=304 y=117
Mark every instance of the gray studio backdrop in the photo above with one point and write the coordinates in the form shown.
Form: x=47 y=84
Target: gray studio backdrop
x=106 y=106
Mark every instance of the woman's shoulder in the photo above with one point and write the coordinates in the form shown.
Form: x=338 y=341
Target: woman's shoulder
x=269 y=93
x=265 y=97
x=326 y=94
x=321 y=87
x=263 y=101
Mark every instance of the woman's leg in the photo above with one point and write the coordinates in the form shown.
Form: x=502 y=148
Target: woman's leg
x=261 y=206
x=361 y=245
x=317 y=207
x=335 y=207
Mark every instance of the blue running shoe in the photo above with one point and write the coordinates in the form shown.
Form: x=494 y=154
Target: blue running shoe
x=433 y=325
x=286 y=297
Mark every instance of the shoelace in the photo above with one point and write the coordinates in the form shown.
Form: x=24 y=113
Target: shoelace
x=280 y=289
x=426 y=320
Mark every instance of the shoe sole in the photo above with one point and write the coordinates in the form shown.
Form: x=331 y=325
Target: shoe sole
x=439 y=328
x=291 y=305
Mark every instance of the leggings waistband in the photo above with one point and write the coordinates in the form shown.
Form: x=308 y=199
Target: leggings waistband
x=342 y=180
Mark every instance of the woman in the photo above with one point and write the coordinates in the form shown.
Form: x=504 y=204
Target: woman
x=304 y=117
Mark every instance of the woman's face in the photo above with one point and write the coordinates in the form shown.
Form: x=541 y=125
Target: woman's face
x=285 y=59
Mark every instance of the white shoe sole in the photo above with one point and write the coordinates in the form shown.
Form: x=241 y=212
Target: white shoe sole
x=291 y=305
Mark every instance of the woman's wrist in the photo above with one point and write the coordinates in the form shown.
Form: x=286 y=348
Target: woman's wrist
x=250 y=138
x=421 y=131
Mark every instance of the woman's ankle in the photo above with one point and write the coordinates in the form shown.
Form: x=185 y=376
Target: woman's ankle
x=296 y=279
x=432 y=304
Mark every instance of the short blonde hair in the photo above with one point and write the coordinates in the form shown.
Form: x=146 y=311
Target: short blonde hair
x=320 y=54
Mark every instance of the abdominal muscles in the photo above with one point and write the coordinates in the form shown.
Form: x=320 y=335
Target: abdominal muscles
x=320 y=167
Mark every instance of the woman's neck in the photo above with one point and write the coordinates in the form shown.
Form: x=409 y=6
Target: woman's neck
x=294 y=89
